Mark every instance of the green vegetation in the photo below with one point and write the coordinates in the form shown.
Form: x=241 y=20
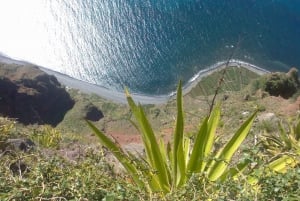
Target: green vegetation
x=278 y=84
x=6 y=127
x=42 y=173
x=56 y=178
x=68 y=163
x=164 y=170
x=46 y=136
x=284 y=143
x=235 y=79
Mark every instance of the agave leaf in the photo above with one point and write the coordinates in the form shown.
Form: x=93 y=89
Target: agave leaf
x=165 y=155
x=281 y=164
x=178 y=155
x=235 y=171
x=159 y=161
x=153 y=153
x=284 y=136
x=272 y=139
x=203 y=142
x=213 y=122
x=197 y=155
x=145 y=138
x=118 y=153
x=219 y=165
x=150 y=179
x=169 y=153
x=184 y=157
x=186 y=149
x=146 y=141
x=162 y=149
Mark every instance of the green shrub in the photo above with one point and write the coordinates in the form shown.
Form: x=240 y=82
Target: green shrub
x=279 y=186
x=6 y=128
x=46 y=136
x=277 y=84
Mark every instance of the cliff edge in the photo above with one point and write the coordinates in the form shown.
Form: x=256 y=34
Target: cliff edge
x=32 y=96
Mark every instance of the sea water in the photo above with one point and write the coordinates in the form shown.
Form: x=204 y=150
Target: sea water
x=149 y=45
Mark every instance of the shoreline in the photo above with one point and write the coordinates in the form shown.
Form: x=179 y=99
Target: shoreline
x=220 y=66
x=119 y=97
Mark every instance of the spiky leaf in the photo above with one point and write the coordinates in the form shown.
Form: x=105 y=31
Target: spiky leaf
x=220 y=163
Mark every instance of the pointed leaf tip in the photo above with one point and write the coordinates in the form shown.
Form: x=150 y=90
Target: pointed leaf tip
x=127 y=92
x=180 y=84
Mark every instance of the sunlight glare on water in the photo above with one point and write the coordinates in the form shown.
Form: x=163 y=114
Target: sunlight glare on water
x=45 y=33
x=148 y=45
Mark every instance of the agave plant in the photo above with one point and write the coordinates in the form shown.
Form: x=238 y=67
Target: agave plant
x=167 y=168
x=285 y=147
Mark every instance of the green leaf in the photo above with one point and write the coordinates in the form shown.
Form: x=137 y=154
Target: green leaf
x=281 y=164
x=223 y=157
x=284 y=137
x=197 y=155
x=204 y=142
x=235 y=171
x=178 y=155
x=212 y=124
x=152 y=183
x=118 y=153
x=154 y=156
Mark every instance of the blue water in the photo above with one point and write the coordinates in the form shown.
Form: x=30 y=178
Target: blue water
x=148 y=45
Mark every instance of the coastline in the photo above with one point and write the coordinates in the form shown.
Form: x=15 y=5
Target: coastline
x=119 y=97
x=220 y=66
x=85 y=87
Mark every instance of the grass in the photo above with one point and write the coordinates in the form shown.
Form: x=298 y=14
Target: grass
x=235 y=79
x=52 y=177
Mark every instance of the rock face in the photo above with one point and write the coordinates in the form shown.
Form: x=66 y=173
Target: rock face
x=32 y=96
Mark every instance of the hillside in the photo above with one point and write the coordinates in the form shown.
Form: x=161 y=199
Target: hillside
x=67 y=162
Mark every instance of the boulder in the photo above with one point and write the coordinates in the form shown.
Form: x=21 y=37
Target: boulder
x=32 y=96
x=92 y=113
x=18 y=168
x=24 y=145
x=269 y=116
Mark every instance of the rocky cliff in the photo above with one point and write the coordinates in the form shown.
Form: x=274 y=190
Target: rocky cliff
x=32 y=96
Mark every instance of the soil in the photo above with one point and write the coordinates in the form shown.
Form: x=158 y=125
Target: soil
x=278 y=105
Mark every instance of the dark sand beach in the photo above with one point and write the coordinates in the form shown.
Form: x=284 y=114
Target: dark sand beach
x=119 y=97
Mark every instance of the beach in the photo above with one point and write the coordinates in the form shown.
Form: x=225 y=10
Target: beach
x=85 y=87
x=119 y=97
x=220 y=66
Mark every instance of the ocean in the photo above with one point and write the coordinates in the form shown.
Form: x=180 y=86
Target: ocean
x=149 y=45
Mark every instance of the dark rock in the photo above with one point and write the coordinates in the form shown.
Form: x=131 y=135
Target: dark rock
x=18 y=167
x=225 y=97
x=92 y=113
x=32 y=96
x=246 y=97
x=24 y=145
